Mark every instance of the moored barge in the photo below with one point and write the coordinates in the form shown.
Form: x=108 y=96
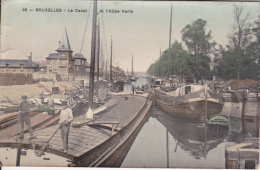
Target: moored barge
x=103 y=142
x=189 y=101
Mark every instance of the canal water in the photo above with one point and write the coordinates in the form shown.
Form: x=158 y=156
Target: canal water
x=166 y=141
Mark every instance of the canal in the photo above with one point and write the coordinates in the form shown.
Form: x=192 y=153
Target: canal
x=166 y=141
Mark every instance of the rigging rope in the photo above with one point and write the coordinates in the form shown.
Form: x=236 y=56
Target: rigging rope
x=85 y=29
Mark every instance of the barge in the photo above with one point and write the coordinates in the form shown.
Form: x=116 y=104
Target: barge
x=103 y=142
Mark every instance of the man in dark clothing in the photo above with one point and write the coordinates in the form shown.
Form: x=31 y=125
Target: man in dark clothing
x=24 y=117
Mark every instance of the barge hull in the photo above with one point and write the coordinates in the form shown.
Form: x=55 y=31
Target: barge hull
x=192 y=110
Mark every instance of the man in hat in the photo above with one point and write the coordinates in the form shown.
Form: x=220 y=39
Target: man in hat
x=66 y=118
x=24 y=117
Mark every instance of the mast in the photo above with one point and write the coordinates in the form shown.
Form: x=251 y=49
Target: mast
x=102 y=60
x=92 y=62
x=169 y=64
x=106 y=71
x=98 y=55
x=160 y=62
x=111 y=79
x=132 y=66
x=118 y=70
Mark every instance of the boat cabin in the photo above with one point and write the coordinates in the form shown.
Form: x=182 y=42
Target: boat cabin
x=183 y=90
x=158 y=82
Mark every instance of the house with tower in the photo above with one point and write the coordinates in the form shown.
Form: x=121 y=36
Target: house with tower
x=63 y=63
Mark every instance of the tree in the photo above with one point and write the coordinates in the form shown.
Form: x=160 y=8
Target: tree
x=196 y=38
x=178 y=59
x=200 y=46
x=241 y=35
x=230 y=65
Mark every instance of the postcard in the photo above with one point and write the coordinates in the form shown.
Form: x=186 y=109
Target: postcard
x=130 y=84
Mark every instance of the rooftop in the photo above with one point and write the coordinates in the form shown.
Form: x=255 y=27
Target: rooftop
x=25 y=63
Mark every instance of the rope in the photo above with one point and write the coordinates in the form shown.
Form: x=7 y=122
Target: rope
x=85 y=30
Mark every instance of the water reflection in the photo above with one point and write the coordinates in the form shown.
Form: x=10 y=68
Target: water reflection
x=193 y=136
x=167 y=141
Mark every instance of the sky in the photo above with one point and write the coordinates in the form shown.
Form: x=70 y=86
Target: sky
x=140 y=34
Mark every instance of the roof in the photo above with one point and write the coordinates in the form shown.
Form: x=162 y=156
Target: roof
x=26 y=63
x=78 y=55
x=53 y=55
x=64 y=43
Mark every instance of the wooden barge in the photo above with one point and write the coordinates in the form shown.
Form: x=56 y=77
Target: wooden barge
x=189 y=101
x=104 y=142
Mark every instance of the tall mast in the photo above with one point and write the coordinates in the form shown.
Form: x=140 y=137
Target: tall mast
x=160 y=62
x=170 y=37
x=118 y=70
x=102 y=60
x=98 y=55
x=93 y=50
x=132 y=66
x=106 y=71
x=111 y=79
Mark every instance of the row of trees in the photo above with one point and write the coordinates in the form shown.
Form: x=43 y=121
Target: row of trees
x=203 y=57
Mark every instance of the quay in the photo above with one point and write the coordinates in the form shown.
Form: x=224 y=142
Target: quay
x=102 y=142
x=244 y=155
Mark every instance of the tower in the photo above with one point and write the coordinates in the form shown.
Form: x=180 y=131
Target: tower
x=65 y=55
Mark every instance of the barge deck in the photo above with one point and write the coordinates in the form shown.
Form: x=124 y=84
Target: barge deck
x=94 y=143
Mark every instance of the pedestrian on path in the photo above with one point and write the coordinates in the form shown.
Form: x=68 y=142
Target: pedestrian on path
x=66 y=117
x=24 y=117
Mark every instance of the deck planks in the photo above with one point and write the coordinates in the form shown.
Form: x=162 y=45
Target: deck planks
x=85 y=138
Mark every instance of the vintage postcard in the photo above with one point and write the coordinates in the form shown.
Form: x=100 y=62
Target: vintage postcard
x=131 y=84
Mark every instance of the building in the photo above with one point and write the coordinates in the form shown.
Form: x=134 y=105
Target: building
x=62 y=62
x=81 y=65
x=18 y=66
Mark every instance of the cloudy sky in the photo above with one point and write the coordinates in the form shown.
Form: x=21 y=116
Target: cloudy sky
x=140 y=33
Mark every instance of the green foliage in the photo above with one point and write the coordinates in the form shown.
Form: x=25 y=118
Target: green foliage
x=175 y=57
x=239 y=60
x=237 y=64
x=181 y=63
x=196 y=38
x=199 y=66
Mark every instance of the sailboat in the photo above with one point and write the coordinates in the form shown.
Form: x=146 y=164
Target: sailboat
x=133 y=78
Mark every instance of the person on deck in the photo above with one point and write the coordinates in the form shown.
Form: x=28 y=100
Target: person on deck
x=51 y=101
x=24 y=117
x=66 y=117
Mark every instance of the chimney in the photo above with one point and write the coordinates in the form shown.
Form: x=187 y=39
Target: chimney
x=30 y=57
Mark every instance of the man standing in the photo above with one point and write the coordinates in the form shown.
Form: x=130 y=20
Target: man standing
x=24 y=117
x=66 y=118
x=51 y=101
